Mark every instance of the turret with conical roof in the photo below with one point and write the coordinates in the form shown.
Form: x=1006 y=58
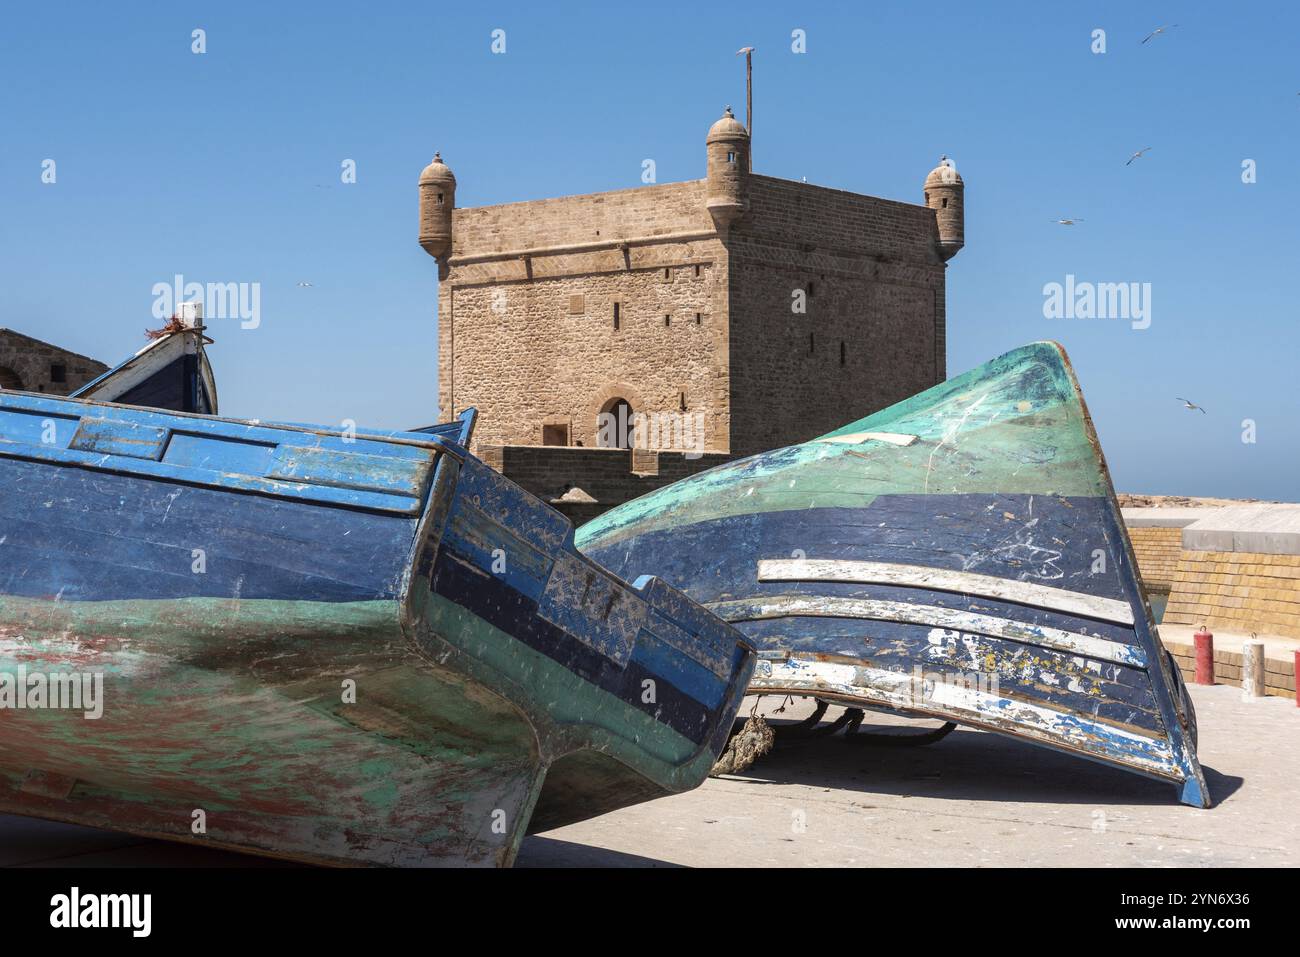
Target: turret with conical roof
x=728 y=152
x=944 y=193
x=437 y=200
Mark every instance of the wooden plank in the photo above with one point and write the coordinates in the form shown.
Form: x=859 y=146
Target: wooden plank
x=942 y=579
x=827 y=606
x=109 y=437
x=211 y=477
x=370 y=473
x=971 y=705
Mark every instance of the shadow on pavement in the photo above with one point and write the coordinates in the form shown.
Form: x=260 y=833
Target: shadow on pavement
x=971 y=766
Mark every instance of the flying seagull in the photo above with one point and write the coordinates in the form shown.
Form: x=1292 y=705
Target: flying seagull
x=1067 y=222
x=304 y=284
x=1191 y=406
x=1138 y=155
x=1159 y=30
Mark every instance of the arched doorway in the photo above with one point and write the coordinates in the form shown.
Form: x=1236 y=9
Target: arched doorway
x=614 y=424
x=9 y=379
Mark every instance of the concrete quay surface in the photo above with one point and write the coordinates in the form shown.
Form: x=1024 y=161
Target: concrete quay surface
x=974 y=799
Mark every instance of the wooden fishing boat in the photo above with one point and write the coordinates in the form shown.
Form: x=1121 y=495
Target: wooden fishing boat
x=171 y=372
x=335 y=648
x=959 y=555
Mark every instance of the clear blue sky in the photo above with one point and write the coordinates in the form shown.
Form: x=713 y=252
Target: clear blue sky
x=208 y=165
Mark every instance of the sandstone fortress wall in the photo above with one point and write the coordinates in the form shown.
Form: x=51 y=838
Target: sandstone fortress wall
x=768 y=311
x=31 y=365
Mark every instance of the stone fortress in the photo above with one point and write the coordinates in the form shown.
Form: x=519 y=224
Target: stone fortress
x=727 y=315
x=30 y=365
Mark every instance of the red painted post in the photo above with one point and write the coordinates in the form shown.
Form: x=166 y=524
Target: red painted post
x=1204 y=657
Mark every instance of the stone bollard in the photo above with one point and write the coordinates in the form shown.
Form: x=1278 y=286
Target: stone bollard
x=1204 y=657
x=1252 y=669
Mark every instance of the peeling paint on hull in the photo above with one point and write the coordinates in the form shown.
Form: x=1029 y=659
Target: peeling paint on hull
x=352 y=678
x=986 y=551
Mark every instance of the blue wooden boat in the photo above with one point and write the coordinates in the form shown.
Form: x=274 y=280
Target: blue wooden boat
x=367 y=649
x=959 y=555
x=171 y=372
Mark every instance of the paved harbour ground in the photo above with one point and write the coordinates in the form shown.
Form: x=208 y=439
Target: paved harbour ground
x=974 y=799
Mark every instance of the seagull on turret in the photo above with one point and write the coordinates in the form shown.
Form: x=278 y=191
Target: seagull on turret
x=744 y=50
x=1067 y=222
x=1190 y=406
x=1159 y=30
x=1138 y=155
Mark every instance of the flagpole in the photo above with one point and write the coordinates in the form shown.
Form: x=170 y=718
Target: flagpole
x=749 y=103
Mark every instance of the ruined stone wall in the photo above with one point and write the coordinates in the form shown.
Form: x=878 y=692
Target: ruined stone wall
x=873 y=330
x=530 y=339
x=34 y=366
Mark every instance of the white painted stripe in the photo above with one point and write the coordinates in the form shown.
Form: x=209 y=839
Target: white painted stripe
x=827 y=606
x=960 y=701
x=943 y=579
x=855 y=438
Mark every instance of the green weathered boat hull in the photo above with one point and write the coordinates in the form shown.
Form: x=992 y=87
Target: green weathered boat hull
x=497 y=683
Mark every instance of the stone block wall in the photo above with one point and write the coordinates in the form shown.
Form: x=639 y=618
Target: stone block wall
x=706 y=324
x=1157 y=550
x=583 y=482
x=1237 y=592
x=527 y=326
x=31 y=365
x=871 y=332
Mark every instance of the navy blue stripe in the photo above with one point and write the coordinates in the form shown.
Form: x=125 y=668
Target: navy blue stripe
x=493 y=600
x=956 y=532
x=717 y=560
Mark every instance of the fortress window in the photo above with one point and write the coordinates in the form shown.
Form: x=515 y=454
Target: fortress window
x=731 y=157
x=697 y=271
x=842 y=355
x=58 y=373
x=440 y=199
x=9 y=379
x=617 y=313
x=668 y=320
x=668 y=272
x=945 y=202
x=699 y=318
x=555 y=435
